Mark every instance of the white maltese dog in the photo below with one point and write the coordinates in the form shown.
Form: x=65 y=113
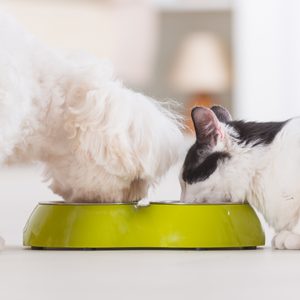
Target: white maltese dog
x=99 y=141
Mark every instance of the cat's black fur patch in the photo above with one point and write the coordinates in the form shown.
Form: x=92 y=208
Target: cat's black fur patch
x=257 y=132
x=199 y=164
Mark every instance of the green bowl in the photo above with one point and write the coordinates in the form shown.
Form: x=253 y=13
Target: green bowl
x=159 y=225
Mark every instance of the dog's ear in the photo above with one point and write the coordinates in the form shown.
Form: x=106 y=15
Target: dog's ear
x=93 y=124
x=128 y=134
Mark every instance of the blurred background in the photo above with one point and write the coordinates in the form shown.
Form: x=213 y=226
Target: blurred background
x=242 y=54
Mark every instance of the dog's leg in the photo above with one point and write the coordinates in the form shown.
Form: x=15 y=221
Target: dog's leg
x=14 y=107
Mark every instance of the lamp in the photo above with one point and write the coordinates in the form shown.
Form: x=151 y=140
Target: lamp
x=201 y=70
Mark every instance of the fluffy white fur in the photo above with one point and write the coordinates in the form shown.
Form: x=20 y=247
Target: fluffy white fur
x=267 y=176
x=98 y=140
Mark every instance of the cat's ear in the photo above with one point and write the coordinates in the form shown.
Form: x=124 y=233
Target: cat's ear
x=207 y=126
x=222 y=113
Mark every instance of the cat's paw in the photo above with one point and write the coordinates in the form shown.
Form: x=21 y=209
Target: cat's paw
x=286 y=240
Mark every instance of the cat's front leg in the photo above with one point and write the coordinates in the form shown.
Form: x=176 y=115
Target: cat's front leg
x=286 y=240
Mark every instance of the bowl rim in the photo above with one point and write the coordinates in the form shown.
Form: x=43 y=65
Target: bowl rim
x=156 y=203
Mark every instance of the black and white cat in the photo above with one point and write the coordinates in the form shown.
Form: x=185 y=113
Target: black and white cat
x=237 y=161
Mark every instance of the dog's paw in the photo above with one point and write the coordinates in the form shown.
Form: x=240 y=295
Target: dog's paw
x=286 y=240
x=142 y=203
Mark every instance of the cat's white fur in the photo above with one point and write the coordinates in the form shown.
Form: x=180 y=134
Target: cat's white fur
x=267 y=176
x=98 y=140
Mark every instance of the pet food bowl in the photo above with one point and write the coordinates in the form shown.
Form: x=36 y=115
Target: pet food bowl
x=159 y=225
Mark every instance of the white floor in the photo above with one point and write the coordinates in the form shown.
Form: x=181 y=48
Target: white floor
x=32 y=274
x=252 y=274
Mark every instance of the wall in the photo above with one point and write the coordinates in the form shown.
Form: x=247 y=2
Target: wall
x=174 y=26
x=267 y=59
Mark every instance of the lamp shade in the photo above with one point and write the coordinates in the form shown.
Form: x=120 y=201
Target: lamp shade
x=201 y=65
